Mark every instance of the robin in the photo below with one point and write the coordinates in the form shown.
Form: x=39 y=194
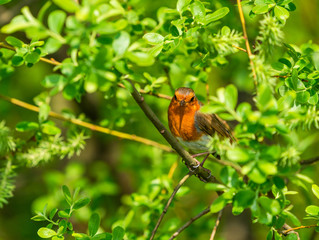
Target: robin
x=192 y=128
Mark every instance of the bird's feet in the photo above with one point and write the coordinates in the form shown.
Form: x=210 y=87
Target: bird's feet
x=193 y=168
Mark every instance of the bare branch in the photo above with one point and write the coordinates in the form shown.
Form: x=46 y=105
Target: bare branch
x=250 y=55
x=90 y=126
x=285 y=232
x=187 y=224
x=309 y=161
x=212 y=236
x=181 y=182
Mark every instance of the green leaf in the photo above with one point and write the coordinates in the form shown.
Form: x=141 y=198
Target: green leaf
x=231 y=96
x=46 y=232
x=56 y=21
x=53 y=80
x=140 y=58
x=267 y=167
x=38 y=218
x=182 y=4
x=32 y=57
x=51 y=45
x=292 y=218
x=215 y=187
x=14 y=41
x=270 y=205
x=67 y=194
x=292 y=236
x=265 y=98
x=17 y=60
x=118 y=233
x=260 y=8
x=121 y=43
x=218 y=14
x=302 y=97
x=52 y=213
x=270 y=235
x=153 y=38
x=67 y=5
x=279 y=182
x=4 y=1
x=94 y=224
x=238 y=155
x=218 y=204
x=315 y=190
x=63 y=214
x=81 y=203
x=281 y=13
x=44 y=111
x=256 y=175
x=312 y=210
x=50 y=129
x=243 y=199
x=27 y=126
x=198 y=11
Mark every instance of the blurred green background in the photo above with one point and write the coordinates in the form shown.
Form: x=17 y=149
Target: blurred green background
x=112 y=170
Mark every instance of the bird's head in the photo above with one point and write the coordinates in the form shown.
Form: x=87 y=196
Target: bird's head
x=185 y=97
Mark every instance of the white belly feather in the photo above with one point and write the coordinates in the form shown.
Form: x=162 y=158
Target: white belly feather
x=201 y=144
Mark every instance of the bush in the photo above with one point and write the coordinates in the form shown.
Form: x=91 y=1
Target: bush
x=85 y=64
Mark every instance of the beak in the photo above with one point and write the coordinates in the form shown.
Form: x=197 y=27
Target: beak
x=182 y=103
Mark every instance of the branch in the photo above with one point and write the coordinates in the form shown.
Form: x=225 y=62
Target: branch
x=88 y=125
x=309 y=161
x=187 y=224
x=285 y=232
x=212 y=236
x=242 y=20
x=191 y=162
x=181 y=182
x=239 y=48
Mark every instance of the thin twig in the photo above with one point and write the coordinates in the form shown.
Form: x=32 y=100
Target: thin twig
x=242 y=20
x=187 y=224
x=297 y=228
x=191 y=162
x=90 y=126
x=239 y=48
x=309 y=161
x=212 y=236
x=181 y=182
x=286 y=226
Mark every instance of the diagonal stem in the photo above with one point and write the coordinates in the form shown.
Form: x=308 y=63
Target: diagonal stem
x=187 y=224
x=181 y=182
x=191 y=162
x=212 y=236
x=250 y=55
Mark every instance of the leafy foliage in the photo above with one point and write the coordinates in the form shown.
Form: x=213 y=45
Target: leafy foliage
x=102 y=44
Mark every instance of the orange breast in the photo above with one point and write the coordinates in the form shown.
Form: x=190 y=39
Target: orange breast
x=181 y=121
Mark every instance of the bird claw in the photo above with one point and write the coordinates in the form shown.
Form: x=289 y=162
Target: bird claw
x=193 y=168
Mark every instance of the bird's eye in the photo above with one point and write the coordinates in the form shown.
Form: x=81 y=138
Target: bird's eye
x=175 y=97
x=192 y=99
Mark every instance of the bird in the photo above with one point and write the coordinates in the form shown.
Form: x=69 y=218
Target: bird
x=192 y=128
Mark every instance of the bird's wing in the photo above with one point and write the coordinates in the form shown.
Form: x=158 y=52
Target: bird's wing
x=211 y=124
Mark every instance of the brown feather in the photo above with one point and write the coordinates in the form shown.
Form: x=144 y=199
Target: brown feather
x=211 y=124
